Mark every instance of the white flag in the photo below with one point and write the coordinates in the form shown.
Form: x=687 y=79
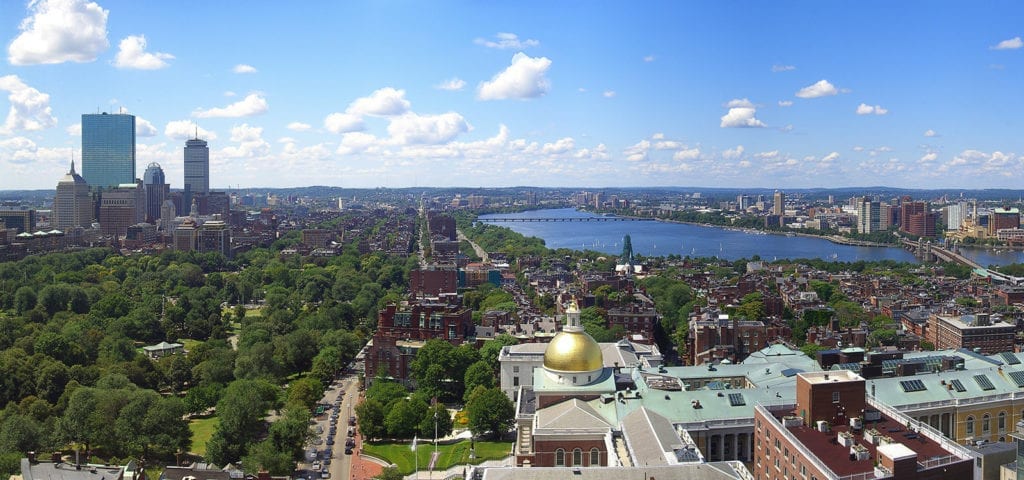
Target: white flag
x=414 y=440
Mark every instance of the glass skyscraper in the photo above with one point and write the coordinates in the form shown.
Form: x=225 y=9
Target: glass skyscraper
x=108 y=149
x=197 y=168
x=157 y=190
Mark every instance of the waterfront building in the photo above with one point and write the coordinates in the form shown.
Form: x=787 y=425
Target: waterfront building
x=72 y=206
x=122 y=207
x=197 y=168
x=779 y=204
x=868 y=215
x=108 y=149
x=955 y=216
x=157 y=190
x=1002 y=218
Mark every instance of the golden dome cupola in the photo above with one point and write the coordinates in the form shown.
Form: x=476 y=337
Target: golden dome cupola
x=573 y=353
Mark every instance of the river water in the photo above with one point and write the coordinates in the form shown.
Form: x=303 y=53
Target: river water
x=665 y=238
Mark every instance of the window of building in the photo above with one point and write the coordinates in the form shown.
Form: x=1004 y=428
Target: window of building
x=595 y=457
x=577 y=457
x=515 y=369
x=1002 y=422
x=970 y=426
x=835 y=397
x=515 y=381
x=986 y=424
x=559 y=458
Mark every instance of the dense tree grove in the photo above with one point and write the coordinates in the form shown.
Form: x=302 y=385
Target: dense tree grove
x=73 y=373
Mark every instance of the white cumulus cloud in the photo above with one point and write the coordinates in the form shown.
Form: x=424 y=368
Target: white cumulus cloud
x=30 y=108
x=1009 y=44
x=782 y=68
x=244 y=68
x=785 y=103
x=250 y=142
x=830 y=157
x=733 y=153
x=142 y=127
x=452 y=84
x=687 y=154
x=739 y=103
x=637 y=152
x=562 y=145
x=930 y=133
x=650 y=58
x=299 y=126
x=60 y=31
x=412 y=128
x=252 y=104
x=608 y=93
x=505 y=40
x=386 y=101
x=820 y=89
x=865 y=109
x=131 y=53
x=524 y=78
x=929 y=157
x=74 y=130
x=186 y=129
x=741 y=117
x=343 y=123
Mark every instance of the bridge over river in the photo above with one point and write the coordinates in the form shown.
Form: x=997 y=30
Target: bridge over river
x=567 y=219
x=931 y=252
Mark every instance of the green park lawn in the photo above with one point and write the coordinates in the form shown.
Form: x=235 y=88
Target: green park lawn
x=202 y=430
x=400 y=454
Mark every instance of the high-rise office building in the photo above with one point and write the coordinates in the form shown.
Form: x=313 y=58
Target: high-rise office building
x=121 y=208
x=108 y=149
x=868 y=216
x=779 y=204
x=157 y=190
x=72 y=207
x=197 y=168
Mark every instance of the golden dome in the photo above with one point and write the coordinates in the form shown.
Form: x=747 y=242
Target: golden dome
x=573 y=351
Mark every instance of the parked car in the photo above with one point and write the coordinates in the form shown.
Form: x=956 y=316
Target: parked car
x=352 y=421
x=348 y=450
x=351 y=442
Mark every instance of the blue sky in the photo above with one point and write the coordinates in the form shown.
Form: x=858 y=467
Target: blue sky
x=481 y=94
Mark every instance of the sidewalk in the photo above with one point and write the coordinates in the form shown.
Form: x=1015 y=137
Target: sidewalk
x=459 y=471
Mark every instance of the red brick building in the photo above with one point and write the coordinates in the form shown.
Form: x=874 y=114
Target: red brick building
x=402 y=330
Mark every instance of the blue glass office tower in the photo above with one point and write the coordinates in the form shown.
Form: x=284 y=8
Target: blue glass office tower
x=108 y=149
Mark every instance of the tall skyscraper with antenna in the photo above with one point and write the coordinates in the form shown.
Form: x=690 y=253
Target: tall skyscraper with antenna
x=197 y=167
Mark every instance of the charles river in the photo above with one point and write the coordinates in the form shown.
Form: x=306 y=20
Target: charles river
x=651 y=238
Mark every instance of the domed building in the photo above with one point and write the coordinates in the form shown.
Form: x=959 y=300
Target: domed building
x=573 y=357
x=556 y=426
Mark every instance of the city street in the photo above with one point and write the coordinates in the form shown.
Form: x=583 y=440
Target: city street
x=339 y=401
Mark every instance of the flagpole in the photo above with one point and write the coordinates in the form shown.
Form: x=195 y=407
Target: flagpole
x=417 y=471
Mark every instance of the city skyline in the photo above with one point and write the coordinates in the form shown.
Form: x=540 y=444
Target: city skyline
x=404 y=95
